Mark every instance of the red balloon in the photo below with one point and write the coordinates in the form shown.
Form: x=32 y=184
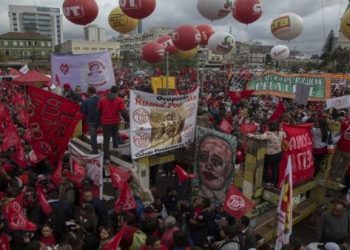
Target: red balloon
x=186 y=37
x=167 y=42
x=206 y=31
x=247 y=11
x=153 y=52
x=137 y=8
x=80 y=11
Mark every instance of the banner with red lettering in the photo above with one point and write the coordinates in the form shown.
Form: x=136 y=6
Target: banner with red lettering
x=52 y=123
x=299 y=139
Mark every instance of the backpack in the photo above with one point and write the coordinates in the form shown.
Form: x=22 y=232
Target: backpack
x=138 y=240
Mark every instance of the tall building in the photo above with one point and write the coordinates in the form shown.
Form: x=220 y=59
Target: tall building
x=95 y=33
x=46 y=21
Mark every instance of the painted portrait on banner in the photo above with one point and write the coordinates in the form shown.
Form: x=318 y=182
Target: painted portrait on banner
x=214 y=163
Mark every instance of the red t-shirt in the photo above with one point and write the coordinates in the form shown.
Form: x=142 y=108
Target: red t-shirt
x=344 y=141
x=110 y=110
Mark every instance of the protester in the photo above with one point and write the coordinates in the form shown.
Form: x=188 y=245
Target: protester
x=92 y=116
x=170 y=228
x=70 y=94
x=111 y=108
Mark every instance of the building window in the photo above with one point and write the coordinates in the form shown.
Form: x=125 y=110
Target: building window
x=6 y=43
x=20 y=43
x=7 y=53
x=42 y=44
x=15 y=29
x=43 y=53
x=49 y=44
x=76 y=48
x=93 y=48
x=85 y=48
x=14 y=43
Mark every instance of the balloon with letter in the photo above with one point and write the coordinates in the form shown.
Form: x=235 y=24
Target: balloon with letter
x=287 y=26
x=345 y=24
x=279 y=52
x=80 y=12
x=121 y=22
x=221 y=43
x=214 y=9
x=206 y=31
x=167 y=42
x=137 y=9
x=186 y=37
x=247 y=11
x=153 y=52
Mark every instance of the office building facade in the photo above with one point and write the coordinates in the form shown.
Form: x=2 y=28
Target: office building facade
x=46 y=21
x=95 y=33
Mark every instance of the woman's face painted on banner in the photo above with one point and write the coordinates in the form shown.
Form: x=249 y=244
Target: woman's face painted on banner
x=214 y=163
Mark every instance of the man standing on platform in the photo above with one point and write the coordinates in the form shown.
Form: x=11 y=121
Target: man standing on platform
x=111 y=107
x=92 y=116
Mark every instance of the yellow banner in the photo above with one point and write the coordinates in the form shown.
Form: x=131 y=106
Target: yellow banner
x=160 y=83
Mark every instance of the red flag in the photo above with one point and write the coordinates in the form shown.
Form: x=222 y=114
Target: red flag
x=248 y=128
x=125 y=201
x=23 y=117
x=43 y=203
x=11 y=137
x=236 y=96
x=182 y=174
x=56 y=177
x=118 y=176
x=279 y=110
x=20 y=156
x=79 y=173
x=4 y=242
x=236 y=204
x=113 y=244
x=14 y=214
x=225 y=126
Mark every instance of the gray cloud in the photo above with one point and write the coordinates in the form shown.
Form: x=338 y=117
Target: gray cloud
x=172 y=13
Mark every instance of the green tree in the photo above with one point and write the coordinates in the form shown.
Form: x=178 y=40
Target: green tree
x=328 y=48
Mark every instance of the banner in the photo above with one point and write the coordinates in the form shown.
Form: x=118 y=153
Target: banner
x=161 y=123
x=214 y=164
x=299 y=139
x=160 y=83
x=285 y=207
x=237 y=204
x=83 y=70
x=342 y=102
x=283 y=85
x=92 y=163
x=52 y=122
x=24 y=70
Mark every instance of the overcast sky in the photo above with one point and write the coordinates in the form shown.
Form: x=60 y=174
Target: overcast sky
x=172 y=13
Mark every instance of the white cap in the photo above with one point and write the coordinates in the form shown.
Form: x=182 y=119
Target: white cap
x=332 y=246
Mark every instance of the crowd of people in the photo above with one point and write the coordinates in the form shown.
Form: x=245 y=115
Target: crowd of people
x=68 y=214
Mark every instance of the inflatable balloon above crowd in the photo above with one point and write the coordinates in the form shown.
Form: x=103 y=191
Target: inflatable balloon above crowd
x=185 y=39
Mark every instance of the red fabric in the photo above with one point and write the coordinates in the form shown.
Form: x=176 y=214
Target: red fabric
x=118 y=176
x=344 y=141
x=24 y=118
x=110 y=110
x=237 y=96
x=4 y=242
x=279 y=110
x=236 y=204
x=20 y=156
x=167 y=237
x=125 y=201
x=56 y=177
x=113 y=244
x=182 y=174
x=225 y=126
x=52 y=124
x=299 y=139
x=48 y=241
x=248 y=128
x=43 y=203
x=33 y=77
x=127 y=238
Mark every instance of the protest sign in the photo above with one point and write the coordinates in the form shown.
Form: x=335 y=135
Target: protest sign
x=160 y=123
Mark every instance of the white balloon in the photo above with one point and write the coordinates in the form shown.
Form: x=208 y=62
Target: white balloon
x=279 y=52
x=287 y=26
x=221 y=43
x=214 y=9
